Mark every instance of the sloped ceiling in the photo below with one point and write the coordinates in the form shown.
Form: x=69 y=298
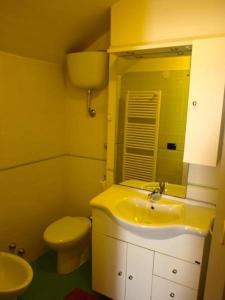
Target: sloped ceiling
x=47 y=29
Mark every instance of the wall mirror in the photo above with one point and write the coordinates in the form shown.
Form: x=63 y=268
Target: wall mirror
x=152 y=91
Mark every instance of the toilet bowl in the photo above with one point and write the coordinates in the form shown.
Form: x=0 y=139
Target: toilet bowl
x=69 y=237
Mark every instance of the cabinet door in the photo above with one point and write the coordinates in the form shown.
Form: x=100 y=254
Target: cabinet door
x=139 y=273
x=108 y=266
x=205 y=101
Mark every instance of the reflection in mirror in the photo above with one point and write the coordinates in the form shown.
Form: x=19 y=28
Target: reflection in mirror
x=153 y=100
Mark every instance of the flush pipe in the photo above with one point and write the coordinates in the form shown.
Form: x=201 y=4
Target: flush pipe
x=91 y=110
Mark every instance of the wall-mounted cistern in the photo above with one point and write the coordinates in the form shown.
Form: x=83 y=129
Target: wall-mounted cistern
x=88 y=70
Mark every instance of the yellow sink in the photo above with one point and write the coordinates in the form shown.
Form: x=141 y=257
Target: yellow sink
x=15 y=276
x=133 y=210
x=146 y=213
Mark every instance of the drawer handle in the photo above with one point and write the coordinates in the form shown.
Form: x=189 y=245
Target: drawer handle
x=130 y=277
x=120 y=273
x=172 y=295
x=174 y=271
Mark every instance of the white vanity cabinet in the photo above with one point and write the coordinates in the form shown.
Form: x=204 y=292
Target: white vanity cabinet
x=205 y=105
x=126 y=266
x=121 y=270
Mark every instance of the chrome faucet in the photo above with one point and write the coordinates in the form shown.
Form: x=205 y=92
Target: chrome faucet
x=156 y=194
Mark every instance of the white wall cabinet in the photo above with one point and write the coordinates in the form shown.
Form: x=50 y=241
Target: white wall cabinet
x=205 y=106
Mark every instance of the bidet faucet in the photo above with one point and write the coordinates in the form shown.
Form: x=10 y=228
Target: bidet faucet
x=156 y=194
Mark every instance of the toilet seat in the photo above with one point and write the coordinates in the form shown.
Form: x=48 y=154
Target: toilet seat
x=67 y=229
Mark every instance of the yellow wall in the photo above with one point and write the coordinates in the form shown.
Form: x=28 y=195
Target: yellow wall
x=215 y=288
x=52 y=154
x=32 y=127
x=83 y=176
x=145 y=21
x=48 y=29
x=85 y=144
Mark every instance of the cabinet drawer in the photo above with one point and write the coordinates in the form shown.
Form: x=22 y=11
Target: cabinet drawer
x=177 y=270
x=163 y=289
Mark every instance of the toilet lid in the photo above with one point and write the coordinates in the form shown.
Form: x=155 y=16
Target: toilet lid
x=67 y=229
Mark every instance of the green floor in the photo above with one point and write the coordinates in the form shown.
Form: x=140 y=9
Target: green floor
x=48 y=285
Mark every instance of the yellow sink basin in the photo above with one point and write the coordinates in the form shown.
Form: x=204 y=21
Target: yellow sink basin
x=15 y=276
x=133 y=210
x=146 y=213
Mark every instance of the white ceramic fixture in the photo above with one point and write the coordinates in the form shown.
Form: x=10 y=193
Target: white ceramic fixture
x=15 y=276
x=133 y=210
x=88 y=70
x=69 y=237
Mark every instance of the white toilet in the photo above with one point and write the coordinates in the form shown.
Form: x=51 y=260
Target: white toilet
x=69 y=236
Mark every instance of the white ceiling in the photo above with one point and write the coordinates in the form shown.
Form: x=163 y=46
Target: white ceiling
x=47 y=29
